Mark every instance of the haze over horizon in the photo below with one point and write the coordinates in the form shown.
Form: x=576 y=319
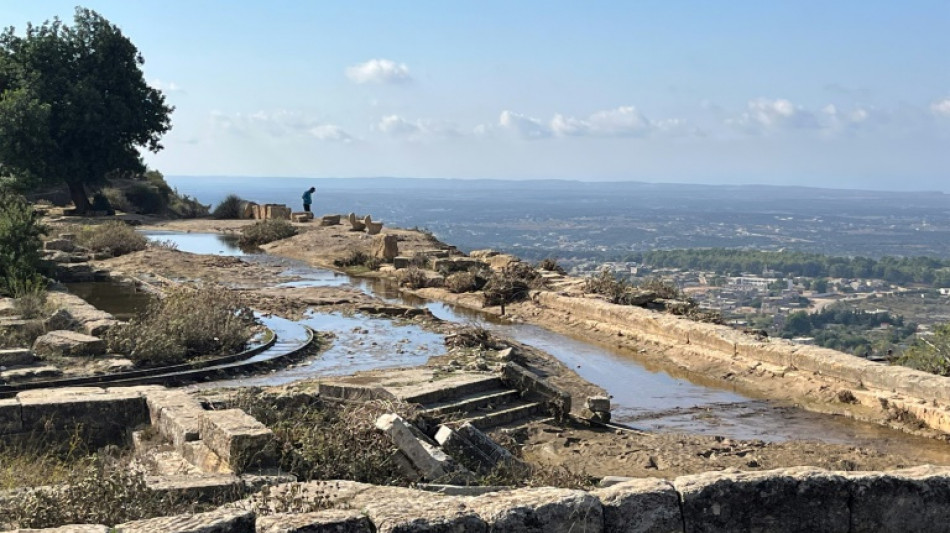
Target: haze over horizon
x=848 y=95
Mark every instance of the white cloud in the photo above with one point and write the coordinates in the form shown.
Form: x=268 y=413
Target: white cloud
x=396 y=126
x=624 y=121
x=168 y=87
x=523 y=125
x=941 y=107
x=765 y=114
x=279 y=124
x=378 y=71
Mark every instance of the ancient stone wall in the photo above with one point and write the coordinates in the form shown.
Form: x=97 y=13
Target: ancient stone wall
x=778 y=501
x=924 y=395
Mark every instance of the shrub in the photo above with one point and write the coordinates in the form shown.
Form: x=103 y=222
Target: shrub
x=101 y=204
x=512 y=284
x=550 y=265
x=186 y=324
x=412 y=277
x=115 y=237
x=358 y=259
x=662 y=288
x=148 y=199
x=931 y=353
x=229 y=208
x=118 y=200
x=265 y=231
x=30 y=302
x=184 y=206
x=20 y=243
x=462 y=282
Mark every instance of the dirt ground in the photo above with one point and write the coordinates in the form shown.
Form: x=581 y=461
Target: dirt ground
x=596 y=451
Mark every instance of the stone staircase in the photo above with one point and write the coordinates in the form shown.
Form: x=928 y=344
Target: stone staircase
x=485 y=402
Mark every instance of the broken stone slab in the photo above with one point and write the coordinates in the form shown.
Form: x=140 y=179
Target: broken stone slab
x=610 y=481
x=355 y=223
x=238 y=438
x=30 y=372
x=794 y=499
x=301 y=216
x=16 y=356
x=463 y=451
x=7 y=308
x=485 y=444
x=204 y=488
x=60 y=320
x=641 y=506
x=64 y=343
x=176 y=415
x=266 y=478
x=11 y=418
x=329 y=520
x=221 y=520
x=544 y=509
x=598 y=403
x=913 y=499
x=204 y=458
x=429 y=460
x=401 y=262
x=161 y=399
x=373 y=228
x=461 y=490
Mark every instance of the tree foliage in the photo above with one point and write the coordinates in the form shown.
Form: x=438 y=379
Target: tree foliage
x=20 y=231
x=74 y=105
x=931 y=353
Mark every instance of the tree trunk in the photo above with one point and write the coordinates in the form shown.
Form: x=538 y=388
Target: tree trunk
x=78 y=193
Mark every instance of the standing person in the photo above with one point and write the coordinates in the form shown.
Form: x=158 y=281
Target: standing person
x=308 y=198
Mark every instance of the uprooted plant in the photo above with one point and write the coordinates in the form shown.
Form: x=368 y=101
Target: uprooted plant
x=185 y=324
x=512 y=284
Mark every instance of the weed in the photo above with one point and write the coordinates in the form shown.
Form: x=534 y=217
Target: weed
x=462 y=282
x=266 y=231
x=412 y=277
x=163 y=244
x=114 y=237
x=230 y=208
x=186 y=324
x=358 y=258
x=661 y=288
x=550 y=265
x=513 y=283
x=30 y=302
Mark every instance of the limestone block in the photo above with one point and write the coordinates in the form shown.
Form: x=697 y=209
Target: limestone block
x=598 y=403
x=485 y=444
x=238 y=438
x=176 y=415
x=11 y=420
x=456 y=264
x=641 y=506
x=463 y=451
x=30 y=372
x=301 y=217
x=87 y=406
x=222 y=520
x=16 y=356
x=162 y=398
x=204 y=458
x=355 y=223
x=500 y=261
x=386 y=247
x=430 y=461
x=72 y=528
x=6 y=307
x=401 y=262
x=247 y=210
x=204 y=488
x=330 y=520
x=796 y=499
x=541 y=510
x=330 y=220
x=64 y=343
x=483 y=254
x=60 y=320
x=397 y=509
x=62 y=245
x=278 y=212
x=373 y=228
x=908 y=500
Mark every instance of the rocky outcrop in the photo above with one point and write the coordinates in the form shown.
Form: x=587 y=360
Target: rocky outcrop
x=65 y=343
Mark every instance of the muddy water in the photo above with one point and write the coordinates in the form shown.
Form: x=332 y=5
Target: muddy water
x=645 y=398
x=123 y=300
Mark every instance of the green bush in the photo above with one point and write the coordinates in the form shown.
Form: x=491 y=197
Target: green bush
x=148 y=199
x=412 y=277
x=930 y=353
x=550 y=265
x=185 y=324
x=115 y=237
x=118 y=200
x=20 y=243
x=31 y=303
x=265 y=231
x=461 y=282
x=358 y=259
x=229 y=208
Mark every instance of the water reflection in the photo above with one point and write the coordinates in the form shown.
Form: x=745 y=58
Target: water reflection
x=199 y=243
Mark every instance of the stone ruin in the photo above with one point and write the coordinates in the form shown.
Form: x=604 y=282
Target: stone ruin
x=254 y=211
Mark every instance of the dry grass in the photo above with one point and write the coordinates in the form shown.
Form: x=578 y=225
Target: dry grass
x=265 y=231
x=114 y=237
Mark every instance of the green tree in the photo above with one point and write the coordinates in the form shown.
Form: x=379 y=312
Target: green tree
x=20 y=232
x=930 y=353
x=74 y=105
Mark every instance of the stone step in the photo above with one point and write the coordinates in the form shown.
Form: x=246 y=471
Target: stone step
x=456 y=391
x=495 y=397
x=515 y=412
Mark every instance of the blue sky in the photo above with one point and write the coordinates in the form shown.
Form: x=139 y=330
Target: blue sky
x=834 y=94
